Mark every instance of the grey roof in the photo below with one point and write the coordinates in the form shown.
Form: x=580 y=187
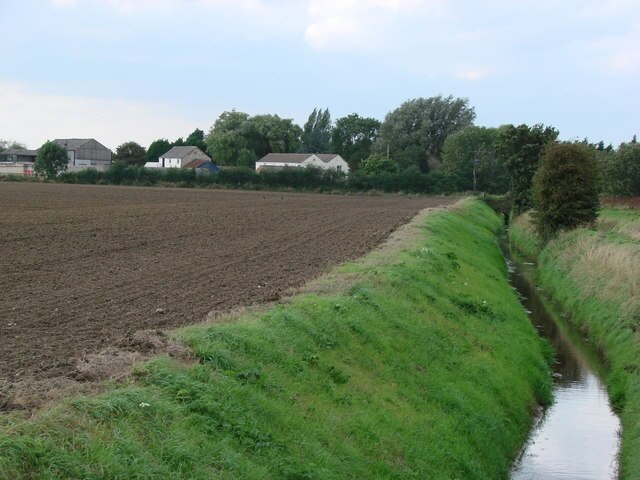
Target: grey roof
x=19 y=151
x=296 y=157
x=326 y=157
x=180 y=152
x=75 y=143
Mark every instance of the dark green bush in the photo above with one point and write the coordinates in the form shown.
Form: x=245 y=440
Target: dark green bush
x=565 y=189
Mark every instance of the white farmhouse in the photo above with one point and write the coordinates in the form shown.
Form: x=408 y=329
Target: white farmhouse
x=179 y=157
x=325 y=161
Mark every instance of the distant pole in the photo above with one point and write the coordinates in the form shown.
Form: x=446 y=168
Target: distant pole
x=476 y=162
x=387 y=151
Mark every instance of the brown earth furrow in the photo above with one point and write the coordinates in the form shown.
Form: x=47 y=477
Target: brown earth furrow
x=84 y=266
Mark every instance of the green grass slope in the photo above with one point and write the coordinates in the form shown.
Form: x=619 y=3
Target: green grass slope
x=423 y=365
x=595 y=275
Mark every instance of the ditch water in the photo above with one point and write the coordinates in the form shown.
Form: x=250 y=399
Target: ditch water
x=577 y=437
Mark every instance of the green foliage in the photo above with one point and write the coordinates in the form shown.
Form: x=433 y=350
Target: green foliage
x=565 y=189
x=7 y=144
x=519 y=149
x=300 y=179
x=131 y=153
x=378 y=163
x=415 y=132
x=353 y=138
x=621 y=170
x=196 y=139
x=475 y=144
x=51 y=160
x=422 y=365
x=157 y=149
x=238 y=139
x=316 y=133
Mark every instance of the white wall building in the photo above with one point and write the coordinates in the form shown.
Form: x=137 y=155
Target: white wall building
x=179 y=157
x=325 y=161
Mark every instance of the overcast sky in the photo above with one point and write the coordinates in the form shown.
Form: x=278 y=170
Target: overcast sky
x=120 y=70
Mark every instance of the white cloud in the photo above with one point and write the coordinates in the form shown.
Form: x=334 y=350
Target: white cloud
x=64 y=3
x=33 y=117
x=471 y=74
x=353 y=22
x=134 y=5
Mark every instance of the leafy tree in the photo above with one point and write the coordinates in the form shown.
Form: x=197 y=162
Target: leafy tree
x=196 y=138
x=51 y=160
x=565 y=189
x=415 y=132
x=239 y=139
x=377 y=163
x=520 y=148
x=7 y=144
x=158 y=148
x=131 y=153
x=621 y=172
x=475 y=144
x=353 y=138
x=316 y=133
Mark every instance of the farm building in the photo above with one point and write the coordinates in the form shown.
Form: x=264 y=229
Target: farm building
x=82 y=152
x=18 y=155
x=325 y=161
x=183 y=157
x=24 y=169
x=202 y=166
x=85 y=152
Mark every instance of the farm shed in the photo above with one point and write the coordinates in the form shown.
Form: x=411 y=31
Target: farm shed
x=85 y=152
x=179 y=157
x=20 y=155
x=202 y=166
x=324 y=161
x=24 y=169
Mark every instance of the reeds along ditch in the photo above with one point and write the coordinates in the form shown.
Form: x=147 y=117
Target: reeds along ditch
x=420 y=364
x=594 y=274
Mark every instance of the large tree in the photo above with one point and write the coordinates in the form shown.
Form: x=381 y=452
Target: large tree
x=565 y=189
x=520 y=149
x=236 y=138
x=316 y=133
x=415 y=132
x=51 y=160
x=157 y=149
x=475 y=148
x=196 y=139
x=621 y=170
x=353 y=138
x=131 y=153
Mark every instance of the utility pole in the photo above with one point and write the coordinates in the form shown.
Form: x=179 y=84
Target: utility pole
x=476 y=162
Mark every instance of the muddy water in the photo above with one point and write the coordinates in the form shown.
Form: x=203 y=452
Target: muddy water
x=575 y=438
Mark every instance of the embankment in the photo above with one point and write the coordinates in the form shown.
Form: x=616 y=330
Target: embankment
x=594 y=274
x=415 y=362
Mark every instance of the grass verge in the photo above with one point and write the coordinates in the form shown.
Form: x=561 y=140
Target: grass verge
x=595 y=275
x=422 y=365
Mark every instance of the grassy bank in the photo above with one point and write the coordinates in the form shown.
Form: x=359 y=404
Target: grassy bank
x=595 y=275
x=415 y=362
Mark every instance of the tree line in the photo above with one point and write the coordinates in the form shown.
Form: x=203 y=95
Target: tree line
x=421 y=136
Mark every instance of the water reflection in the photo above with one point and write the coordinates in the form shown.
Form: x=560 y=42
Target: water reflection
x=577 y=437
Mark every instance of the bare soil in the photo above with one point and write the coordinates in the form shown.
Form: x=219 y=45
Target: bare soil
x=83 y=268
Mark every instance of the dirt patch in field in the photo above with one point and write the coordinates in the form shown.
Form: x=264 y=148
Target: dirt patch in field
x=83 y=268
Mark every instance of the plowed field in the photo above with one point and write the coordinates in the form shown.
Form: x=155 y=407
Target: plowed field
x=84 y=266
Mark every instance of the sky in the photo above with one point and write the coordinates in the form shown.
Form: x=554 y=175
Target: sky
x=122 y=70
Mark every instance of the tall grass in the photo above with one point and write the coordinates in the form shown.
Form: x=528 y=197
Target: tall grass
x=420 y=364
x=595 y=275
